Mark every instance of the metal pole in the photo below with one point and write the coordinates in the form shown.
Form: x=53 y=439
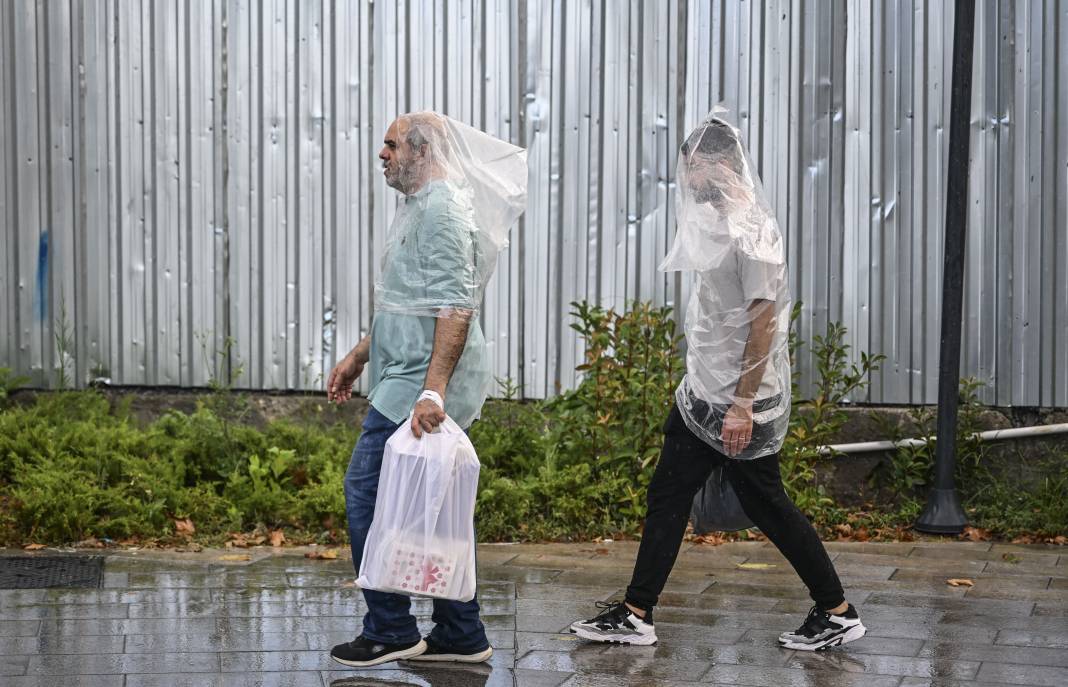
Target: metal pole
x=943 y=513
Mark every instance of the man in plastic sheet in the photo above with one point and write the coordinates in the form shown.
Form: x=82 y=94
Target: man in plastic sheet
x=733 y=405
x=461 y=190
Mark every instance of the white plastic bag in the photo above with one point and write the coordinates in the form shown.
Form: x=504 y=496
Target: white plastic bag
x=422 y=538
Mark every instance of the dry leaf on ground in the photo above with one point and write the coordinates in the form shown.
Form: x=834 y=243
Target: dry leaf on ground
x=243 y=541
x=328 y=555
x=844 y=531
x=711 y=538
x=755 y=566
x=975 y=534
x=184 y=527
x=236 y=557
x=959 y=582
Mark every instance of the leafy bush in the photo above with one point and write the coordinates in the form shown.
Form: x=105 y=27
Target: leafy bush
x=995 y=499
x=511 y=435
x=613 y=418
x=73 y=466
x=9 y=383
x=911 y=468
x=577 y=466
x=817 y=421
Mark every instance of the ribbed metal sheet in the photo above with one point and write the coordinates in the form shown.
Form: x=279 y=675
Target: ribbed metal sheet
x=195 y=184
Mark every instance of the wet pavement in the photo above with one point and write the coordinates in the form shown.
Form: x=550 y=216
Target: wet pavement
x=194 y=619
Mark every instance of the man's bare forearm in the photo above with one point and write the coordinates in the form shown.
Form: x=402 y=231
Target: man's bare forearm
x=757 y=346
x=361 y=352
x=450 y=337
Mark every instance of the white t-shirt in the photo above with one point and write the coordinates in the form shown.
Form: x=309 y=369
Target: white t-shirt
x=717 y=328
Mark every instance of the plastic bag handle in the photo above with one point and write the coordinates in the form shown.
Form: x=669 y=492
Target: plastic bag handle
x=433 y=509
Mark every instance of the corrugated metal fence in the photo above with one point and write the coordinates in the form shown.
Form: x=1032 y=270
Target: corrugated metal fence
x=190 y=190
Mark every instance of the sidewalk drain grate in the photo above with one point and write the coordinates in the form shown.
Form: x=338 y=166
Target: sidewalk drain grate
x=39 y=572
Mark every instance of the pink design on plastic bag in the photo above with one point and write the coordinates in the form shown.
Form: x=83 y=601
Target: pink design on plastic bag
x=431 y=574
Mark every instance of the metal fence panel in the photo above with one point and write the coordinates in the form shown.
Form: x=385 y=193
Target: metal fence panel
x=191 y=192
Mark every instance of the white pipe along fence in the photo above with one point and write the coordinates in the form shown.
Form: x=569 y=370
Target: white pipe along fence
x=991 y=435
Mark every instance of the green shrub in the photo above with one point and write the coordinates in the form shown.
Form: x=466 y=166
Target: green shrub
x=511 y=436
x=613 y=418
x=74 y=466
x=815 y=422
x=910 y=469
x=9 y=383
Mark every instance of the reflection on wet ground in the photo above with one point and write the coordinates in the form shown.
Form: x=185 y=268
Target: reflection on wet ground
x=193 y=619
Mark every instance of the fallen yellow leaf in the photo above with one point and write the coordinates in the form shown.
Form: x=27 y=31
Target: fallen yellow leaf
x=328 y=555
x=959 y=582
x=235 y=557
x=755 y=566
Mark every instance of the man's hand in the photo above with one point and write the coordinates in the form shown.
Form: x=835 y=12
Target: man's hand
x=342 y=377
x=426 y=416
x=737 y=429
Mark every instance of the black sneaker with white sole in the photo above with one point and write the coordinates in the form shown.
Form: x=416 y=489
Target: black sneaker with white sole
x=362 y=652
x=616 y=624
x=822 y=630
x=438 y=652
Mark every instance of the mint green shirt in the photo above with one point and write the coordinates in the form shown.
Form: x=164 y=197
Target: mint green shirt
x=432 y=261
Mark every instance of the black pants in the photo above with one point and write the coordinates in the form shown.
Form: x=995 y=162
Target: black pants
x=685 y=464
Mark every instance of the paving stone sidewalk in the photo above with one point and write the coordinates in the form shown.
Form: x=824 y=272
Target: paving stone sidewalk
x=193 y=619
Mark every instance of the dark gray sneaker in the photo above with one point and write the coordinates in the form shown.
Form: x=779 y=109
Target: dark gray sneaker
x=362 y=652
x=616 y=624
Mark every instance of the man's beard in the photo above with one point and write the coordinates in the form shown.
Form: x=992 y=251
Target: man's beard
x=391 y=179
x=405 y=179
x=710 y=193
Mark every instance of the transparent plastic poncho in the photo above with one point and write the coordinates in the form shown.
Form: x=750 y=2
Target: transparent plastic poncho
x=738 y=317
x=462 y=189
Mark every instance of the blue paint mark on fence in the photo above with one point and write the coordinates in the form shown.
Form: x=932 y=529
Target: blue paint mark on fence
x=40 y=296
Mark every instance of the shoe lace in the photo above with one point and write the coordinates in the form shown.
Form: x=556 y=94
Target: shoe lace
x=609 y=609
x=813 y=622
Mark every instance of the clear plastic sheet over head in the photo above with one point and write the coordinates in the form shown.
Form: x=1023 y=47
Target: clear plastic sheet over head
x=461 y=190
x=736 y=391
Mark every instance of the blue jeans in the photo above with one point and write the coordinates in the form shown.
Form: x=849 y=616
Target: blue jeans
x=389 y=619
